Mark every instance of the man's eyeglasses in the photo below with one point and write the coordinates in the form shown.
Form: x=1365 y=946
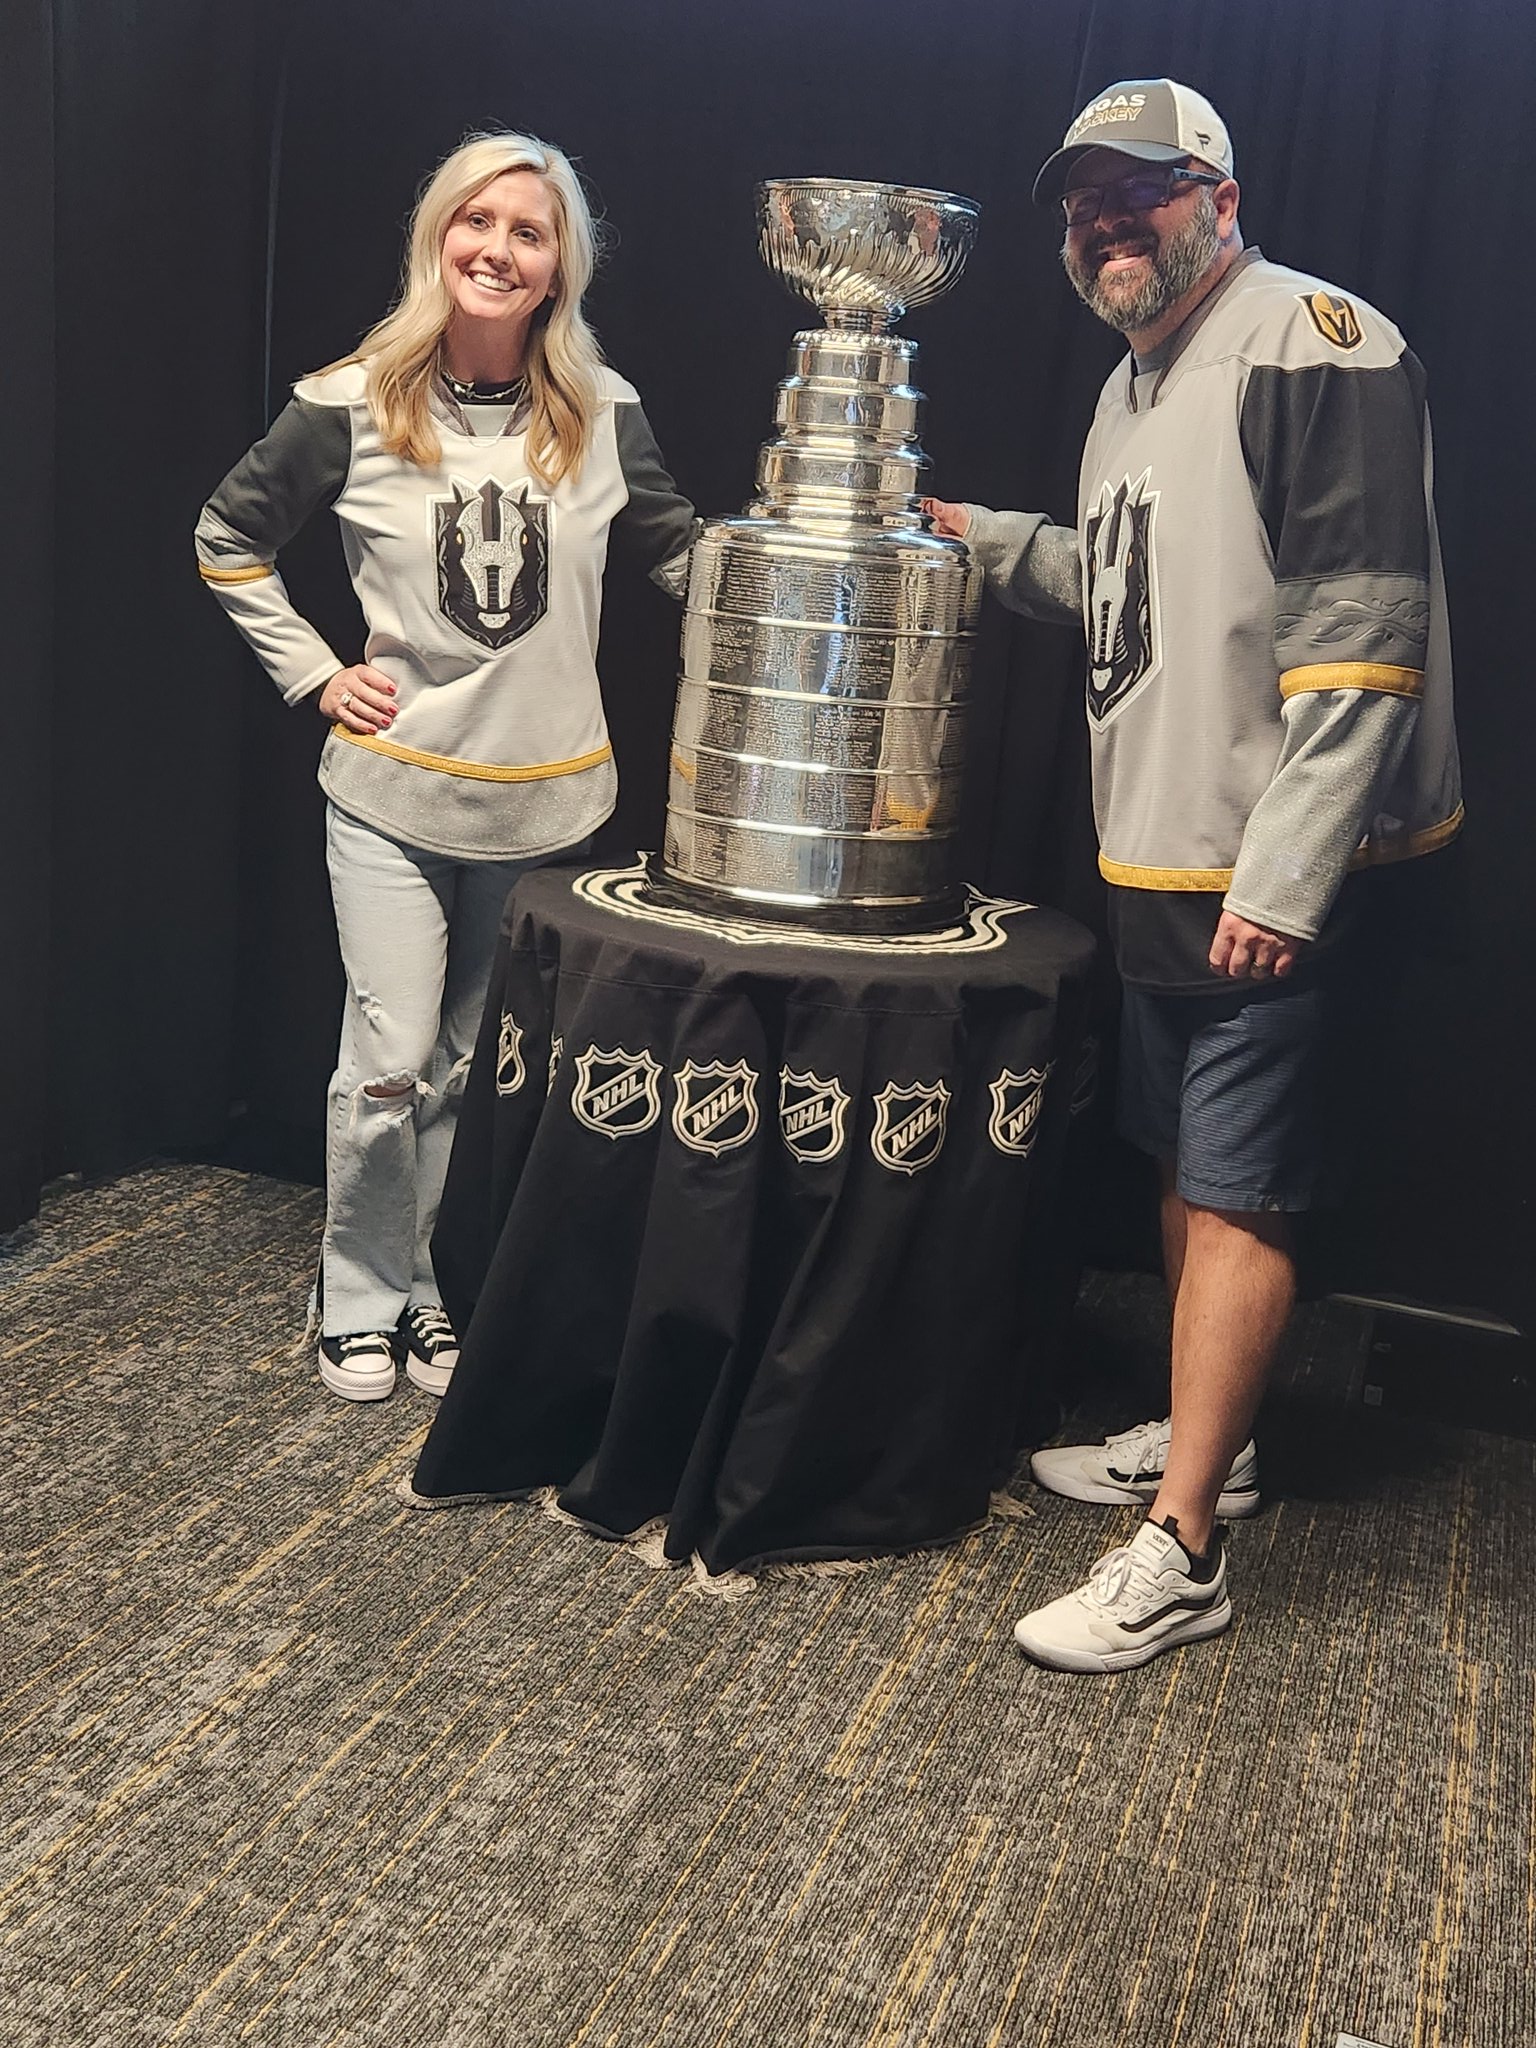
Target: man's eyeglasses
x=1140 y=193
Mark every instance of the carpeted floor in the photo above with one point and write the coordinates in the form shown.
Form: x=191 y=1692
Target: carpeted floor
x=288 y=1764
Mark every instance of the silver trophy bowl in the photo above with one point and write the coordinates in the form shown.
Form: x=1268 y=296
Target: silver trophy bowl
x=818 y=741
x=864 y=254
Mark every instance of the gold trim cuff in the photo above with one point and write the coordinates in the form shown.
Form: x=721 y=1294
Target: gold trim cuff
x=256 y=575
x=1353 y=675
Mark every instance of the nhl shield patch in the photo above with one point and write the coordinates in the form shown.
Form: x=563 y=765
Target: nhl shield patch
x=510 y=1071
x=714 y=1107
x=910 y=1124
x=812 y=1115
x=616 y=1092
x=491 y=546
x=1016 y=1100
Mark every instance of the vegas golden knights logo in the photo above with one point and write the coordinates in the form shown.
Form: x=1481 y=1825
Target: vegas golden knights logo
x=492 y=551
x=1335 y=320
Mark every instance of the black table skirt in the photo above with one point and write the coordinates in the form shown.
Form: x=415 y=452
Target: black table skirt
x=753 y=1234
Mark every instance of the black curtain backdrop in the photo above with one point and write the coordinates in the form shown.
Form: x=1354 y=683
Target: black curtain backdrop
x=228 y=211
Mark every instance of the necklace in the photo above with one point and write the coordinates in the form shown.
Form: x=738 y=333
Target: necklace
x=473 y=393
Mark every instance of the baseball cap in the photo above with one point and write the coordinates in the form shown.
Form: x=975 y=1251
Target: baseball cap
x=1154 y=118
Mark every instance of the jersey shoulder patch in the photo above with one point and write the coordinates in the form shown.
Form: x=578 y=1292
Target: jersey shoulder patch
x=1335 y=319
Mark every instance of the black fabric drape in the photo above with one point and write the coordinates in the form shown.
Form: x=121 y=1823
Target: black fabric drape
x=1379 y=144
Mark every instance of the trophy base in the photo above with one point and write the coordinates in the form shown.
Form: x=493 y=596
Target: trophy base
x=827 y=919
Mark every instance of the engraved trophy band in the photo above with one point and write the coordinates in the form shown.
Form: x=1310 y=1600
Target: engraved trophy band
x=819 y=734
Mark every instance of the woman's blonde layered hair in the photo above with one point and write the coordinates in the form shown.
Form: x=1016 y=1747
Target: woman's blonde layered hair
x=401 y=352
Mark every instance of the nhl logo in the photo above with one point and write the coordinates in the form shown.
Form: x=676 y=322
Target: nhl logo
x=909 y=1125
x=492 y=551
x=1015 y=1114
x=715 y=1106
x=510 y=1071
x=556 y=1048
x=616 y=1092
x=811 y=1115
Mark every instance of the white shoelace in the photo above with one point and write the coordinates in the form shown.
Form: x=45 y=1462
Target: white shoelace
x=363 y=1340
x=1141 y=1447
x=1109 y=1577
x=431 y=1325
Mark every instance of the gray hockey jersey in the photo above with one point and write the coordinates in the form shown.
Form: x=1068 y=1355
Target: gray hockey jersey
x=1269 y=683
x=482 y=592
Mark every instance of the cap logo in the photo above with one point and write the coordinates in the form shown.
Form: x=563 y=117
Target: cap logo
x=1123 y=106
x=1335 y=320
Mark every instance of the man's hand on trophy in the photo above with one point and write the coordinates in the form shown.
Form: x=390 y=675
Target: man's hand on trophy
x=953 y=521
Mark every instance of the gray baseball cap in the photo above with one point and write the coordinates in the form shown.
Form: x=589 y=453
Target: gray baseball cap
x=1154 y=118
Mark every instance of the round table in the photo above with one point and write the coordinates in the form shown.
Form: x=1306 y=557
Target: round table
x=755 y=1231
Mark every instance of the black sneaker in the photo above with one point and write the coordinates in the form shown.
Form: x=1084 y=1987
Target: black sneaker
x=359 y=1366
x=431 y=1349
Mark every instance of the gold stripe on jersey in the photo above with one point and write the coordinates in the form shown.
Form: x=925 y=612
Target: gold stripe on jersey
x=476 y=771
x=1208 y=880
x=1128 y=877
x=1411 y=844
x=1353 y=675
x=255 y=575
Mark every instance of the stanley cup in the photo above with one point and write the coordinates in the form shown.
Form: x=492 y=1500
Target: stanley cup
x=819 y=734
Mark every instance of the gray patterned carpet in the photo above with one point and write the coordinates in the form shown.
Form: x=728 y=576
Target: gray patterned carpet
x=287 y=1764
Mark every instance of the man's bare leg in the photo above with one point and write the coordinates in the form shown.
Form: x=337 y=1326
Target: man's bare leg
x=1175 y=1229
x=1234 y=1290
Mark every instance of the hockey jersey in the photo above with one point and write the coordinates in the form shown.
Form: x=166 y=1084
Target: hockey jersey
x=1269 y=683
x=482 y=592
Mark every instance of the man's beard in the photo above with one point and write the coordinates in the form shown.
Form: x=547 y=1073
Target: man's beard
x=1175 y=268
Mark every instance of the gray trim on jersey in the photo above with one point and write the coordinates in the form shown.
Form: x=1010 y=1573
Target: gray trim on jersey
x=1341 y=751
x=1030 y=565
x=1373 y=617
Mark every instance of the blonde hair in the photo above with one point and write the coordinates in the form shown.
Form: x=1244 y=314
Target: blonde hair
x=401 y=352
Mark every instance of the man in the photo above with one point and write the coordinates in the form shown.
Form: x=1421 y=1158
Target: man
x=1269 y=708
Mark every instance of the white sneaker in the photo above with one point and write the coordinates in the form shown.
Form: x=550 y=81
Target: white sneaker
x=431 y=1348
x=359 y=1366
x=1139 y=1601
x=1129 y=1468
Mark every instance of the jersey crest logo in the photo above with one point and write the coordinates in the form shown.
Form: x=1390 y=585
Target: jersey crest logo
x=1124 y=630
x=910 y=1125
x=616 y=1092
x=492 y=551
x=1335 y=320
x=812 y=1115
x=510 y=1071
x=715 y=1106
x=1016 y=1099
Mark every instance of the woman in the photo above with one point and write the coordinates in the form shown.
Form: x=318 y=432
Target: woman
x=476 y=451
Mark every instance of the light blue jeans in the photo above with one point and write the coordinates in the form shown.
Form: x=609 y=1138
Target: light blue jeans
x=418 y=938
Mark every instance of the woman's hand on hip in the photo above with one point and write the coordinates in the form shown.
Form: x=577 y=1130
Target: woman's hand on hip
x=361 y=698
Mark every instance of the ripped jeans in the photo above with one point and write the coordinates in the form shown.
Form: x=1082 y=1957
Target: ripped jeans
x=418 y=936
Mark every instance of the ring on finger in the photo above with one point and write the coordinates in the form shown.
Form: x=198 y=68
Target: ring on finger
x=345 y=699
